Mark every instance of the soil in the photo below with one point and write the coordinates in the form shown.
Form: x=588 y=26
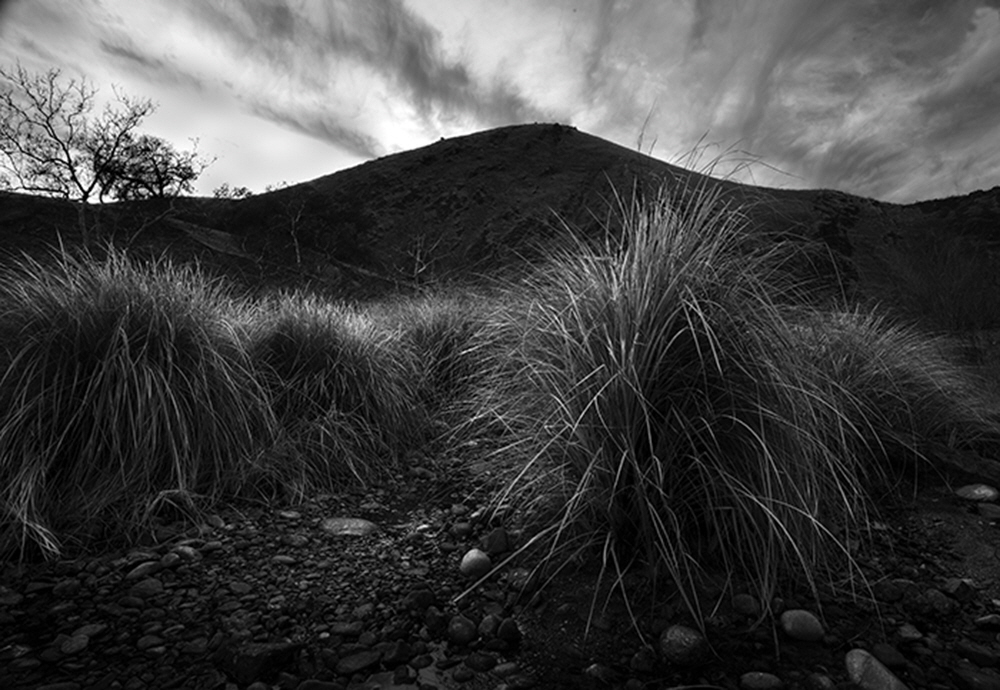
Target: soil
x=263 y=597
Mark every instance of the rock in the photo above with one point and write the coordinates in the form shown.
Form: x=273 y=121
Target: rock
x=802 y=625
x=283 y=559
x=313 y=684
x=146 y=588
x=66 y=685
x=475 y=564
x=990 y=621
x=74 y=644
x=66 y=588
x=509 y=632
x=643 y=661
x=508 y=668
x=977 y=492
x=746 y=605
x=970 y=678
x=937 y=602
x=496 y=542
x=349 y=527
x=250 y=662
x=463 y=674
x=460 y=530
x=868 y=673
x=959 y=589
x=398 y=652
x=889 y=656
x=758 y=680
x=143 y=570
x=818 y=681
x=683 y=646
x=357 y=662
x=461 y=631
x=909 y=633
x=481 y=661
x=601 y=673
x=489 y=625
x=979 y=654
x=990 y=511
x=419 y=600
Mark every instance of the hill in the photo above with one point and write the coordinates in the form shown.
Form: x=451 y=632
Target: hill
x=485 y=203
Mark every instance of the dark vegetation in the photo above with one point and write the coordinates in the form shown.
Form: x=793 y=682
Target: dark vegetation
x=672 y=373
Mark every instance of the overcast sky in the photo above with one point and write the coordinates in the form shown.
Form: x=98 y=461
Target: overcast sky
x=893 y=99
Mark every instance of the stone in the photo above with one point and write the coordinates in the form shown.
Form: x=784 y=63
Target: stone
x=475 y=564
x=601 y=673
x=489 y=625
x=990 y=511
x=977 y=492
x=979 y=654
x=683 y=646
x=143 y=570
x=463 y=674
x=868 y=673
x=146 y=588
x=66 y=588
x=253 y=661
x=746 y=605
x=74 y=644
x=419 y=600
x=508 y=668
x=509 y=632
x=908 y=633
x=348 y=526
x=65 y=685
x=313 y=684
x=461 y=631
x=818 y=681
x=970 y=678
x=758 y=680
x=283 y=559
x=481 y=661
x=398 y=652
x=889 y=656
x=357 y=662
x=959 y=589
x=643 y=661
x=990 y=621
x=802 y=625
x=938 y=602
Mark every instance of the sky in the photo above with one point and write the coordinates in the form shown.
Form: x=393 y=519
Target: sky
x=897 y=100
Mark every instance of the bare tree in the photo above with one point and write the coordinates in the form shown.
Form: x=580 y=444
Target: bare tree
x=148 y=167
x=51 y=144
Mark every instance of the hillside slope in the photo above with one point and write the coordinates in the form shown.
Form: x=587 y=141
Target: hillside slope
x=486 y=202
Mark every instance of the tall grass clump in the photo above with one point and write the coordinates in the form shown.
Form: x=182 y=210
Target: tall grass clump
x=123 y=388
x=343 y=387
x=453 y=340
x=902 y=389
x=659 y=410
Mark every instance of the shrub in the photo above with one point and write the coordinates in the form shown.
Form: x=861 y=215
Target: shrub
x=122 y=388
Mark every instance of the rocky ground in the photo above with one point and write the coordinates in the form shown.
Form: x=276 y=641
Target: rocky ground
x=359 y=591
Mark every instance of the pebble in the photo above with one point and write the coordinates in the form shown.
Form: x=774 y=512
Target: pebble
x=475 y=564
x=758 y=680
x=509 y=632
x=481 y=661
x=683 y=646
x=143 y=570
x=802 y=625
x=889 y=656
x=146 y=588
x=461 y=631
x=990 y=621
x=979 y=654
x=977 y=492
x=347 y=526
x=746 y=605
x=868 y=673
x=977 y=679
x=496 y=542
x=358 y=661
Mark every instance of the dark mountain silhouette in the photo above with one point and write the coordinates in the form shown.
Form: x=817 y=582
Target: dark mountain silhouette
x=496 y=200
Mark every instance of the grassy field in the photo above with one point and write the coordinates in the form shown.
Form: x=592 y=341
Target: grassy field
x=665 y=402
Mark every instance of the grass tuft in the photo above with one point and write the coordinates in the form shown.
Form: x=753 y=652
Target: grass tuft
x=343 y=387
x=124 y=389
x=666 y=405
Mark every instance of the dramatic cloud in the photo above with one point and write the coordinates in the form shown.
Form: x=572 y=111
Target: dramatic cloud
x=895 y=100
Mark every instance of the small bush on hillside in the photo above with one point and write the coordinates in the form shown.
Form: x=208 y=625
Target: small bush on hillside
x=121 y=387
x=343 y=388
